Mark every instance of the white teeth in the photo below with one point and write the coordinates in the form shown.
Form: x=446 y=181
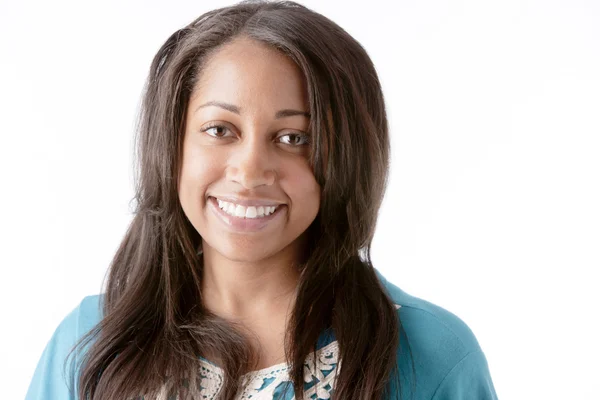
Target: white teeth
x=245 y=212
x=251 y=212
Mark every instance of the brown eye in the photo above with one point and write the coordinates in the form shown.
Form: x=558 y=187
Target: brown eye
x=297 y=139
x=218 y=130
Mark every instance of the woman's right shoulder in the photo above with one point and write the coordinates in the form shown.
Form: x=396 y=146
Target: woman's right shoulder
x=53 y=378
x=89 y=312
x=85 y=316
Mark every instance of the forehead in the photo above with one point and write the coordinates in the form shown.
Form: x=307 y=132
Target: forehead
x=251 y=72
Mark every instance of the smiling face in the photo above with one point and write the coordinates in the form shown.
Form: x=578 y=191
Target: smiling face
x=246 y=142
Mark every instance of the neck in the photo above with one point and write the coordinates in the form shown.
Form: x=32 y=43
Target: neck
x=242 y=290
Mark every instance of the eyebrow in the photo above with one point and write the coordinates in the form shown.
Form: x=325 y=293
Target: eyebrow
x=235 y=109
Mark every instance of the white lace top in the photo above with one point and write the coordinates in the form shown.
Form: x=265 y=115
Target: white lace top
x=269 y=383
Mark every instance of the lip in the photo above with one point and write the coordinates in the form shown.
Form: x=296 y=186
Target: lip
x=244 y=224
x=247 y=201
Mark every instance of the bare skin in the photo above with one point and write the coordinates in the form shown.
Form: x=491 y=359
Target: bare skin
x=250 y=277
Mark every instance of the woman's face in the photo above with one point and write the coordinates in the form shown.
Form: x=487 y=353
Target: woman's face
x=246 y=143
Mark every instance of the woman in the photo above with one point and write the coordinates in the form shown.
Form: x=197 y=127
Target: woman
x=246 y=272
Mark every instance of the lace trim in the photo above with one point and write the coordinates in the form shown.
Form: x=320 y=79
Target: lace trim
x=319 y=376
x=261 y=384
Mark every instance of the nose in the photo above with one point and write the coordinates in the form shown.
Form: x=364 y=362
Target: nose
x=251 y=163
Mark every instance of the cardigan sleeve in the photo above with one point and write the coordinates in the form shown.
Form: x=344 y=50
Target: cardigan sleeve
x=469 y=380
x=53 y=379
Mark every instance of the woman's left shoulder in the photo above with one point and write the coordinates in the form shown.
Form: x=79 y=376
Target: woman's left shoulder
x=449 y=362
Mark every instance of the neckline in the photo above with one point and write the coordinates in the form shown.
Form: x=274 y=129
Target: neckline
x=261 y=371
x=284 y=366
x=326 y=342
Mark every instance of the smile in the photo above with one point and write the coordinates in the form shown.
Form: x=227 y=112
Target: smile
x=246 y=218
x=240 y=211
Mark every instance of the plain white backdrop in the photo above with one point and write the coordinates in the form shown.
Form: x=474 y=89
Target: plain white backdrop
x=493 y=207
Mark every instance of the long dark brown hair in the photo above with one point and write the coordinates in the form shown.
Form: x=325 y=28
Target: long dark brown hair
x=154 y=325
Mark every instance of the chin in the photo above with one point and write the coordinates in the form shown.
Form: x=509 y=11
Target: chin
x=244 y=254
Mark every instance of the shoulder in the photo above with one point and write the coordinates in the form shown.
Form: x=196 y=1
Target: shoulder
x=82 y=318
x=89 y=312
x=55 y=371
x=85 y=316
x=430 y=323
x=443 y=349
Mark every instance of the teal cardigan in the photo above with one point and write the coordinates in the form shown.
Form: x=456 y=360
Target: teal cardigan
x=448 y=361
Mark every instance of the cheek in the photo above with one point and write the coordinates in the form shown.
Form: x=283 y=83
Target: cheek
x=200 y=168
x=303 y=190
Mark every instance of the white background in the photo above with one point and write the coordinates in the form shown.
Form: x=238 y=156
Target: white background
x=492 y=212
